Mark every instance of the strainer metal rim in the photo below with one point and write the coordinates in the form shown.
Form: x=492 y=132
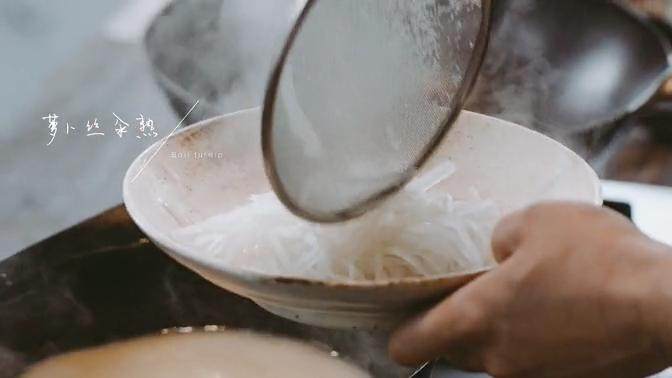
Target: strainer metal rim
x=358 y=209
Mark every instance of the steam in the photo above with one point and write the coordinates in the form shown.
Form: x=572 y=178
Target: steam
x=513 y=79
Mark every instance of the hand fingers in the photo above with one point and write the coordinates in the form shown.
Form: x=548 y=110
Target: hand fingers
x=454 y=329
x=428 y=337
x=508 y=235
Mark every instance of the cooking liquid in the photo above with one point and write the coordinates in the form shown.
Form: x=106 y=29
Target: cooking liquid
x=227 y=354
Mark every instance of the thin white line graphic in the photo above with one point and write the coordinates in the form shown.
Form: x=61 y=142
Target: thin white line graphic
x=164 y=141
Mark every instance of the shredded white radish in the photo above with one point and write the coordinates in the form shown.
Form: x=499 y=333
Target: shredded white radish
x=417 y=233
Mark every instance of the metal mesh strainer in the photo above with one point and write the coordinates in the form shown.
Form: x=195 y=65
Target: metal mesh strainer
x=363 y=92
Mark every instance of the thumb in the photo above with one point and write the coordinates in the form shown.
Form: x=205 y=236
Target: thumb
x=508 y=235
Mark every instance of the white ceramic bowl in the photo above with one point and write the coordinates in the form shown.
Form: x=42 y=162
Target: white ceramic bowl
x=216 y=164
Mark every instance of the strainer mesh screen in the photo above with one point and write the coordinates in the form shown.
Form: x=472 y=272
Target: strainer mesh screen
x=366 y=86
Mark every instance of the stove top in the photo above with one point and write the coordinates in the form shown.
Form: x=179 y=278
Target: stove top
x=650 y=207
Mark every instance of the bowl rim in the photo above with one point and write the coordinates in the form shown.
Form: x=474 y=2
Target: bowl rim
x=159 y=237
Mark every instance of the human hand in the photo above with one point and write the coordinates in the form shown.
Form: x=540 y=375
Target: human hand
x=580 y=292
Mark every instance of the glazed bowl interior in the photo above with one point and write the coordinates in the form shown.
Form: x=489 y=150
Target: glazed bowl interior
x=215 y=165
